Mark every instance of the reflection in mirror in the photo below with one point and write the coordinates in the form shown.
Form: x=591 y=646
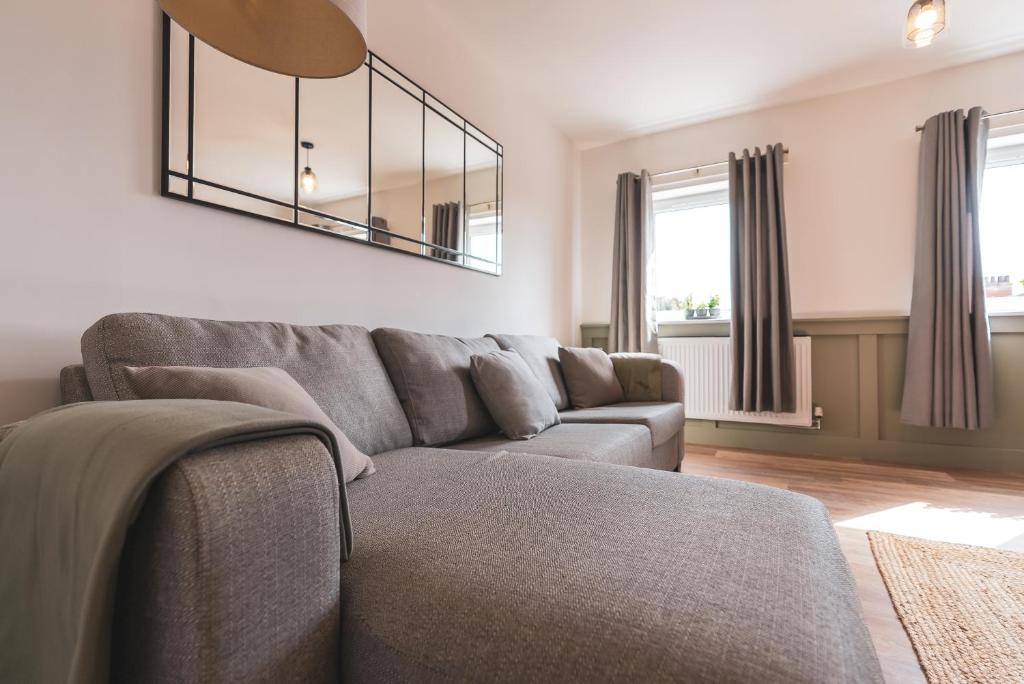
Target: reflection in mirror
x=177 y=115
x=397 y=163
x=443 y=165
x=387 y=163
x=333 y=225
x=483 y=215
x=244 y=130
x=334 y=124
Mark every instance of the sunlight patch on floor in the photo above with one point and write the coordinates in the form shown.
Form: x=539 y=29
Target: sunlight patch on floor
x=961 y=526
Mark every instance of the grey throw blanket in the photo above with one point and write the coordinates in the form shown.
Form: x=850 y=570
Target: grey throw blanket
x=72 y=480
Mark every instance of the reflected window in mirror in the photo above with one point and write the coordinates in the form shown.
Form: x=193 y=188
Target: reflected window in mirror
x=482 y=188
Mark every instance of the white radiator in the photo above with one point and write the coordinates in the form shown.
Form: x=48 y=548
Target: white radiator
x=707 y=379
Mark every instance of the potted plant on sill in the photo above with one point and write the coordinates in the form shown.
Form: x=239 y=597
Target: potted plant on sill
x=688 y=307
x=713 y=307
x=701 y=311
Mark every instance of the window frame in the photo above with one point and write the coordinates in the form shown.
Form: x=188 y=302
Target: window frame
x=684 y=195
x=1005 y=148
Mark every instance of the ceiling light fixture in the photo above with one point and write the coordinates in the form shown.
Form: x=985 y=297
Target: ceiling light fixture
x=925 y=20
x=308 y=38
x=307 y=179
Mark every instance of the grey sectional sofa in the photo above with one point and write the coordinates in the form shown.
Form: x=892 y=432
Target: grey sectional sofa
x=475 y=558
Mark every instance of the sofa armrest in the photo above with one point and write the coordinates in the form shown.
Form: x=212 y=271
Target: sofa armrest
x=672 y=387
x=231 y=570
x=74 y=386
x=8 y=429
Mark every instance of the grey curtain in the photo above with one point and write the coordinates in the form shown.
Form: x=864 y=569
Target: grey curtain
x=634 y=327
x=948 y=380
x=763 y=376
x=447 y=229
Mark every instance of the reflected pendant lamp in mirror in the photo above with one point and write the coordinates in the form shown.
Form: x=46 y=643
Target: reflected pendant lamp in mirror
x=307 y=38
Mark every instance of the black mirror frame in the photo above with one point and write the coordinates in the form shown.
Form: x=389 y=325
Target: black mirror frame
x=375 y=237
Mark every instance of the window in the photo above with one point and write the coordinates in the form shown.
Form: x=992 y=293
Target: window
x=1002 y=225
x=482 y=235
x=692 y=262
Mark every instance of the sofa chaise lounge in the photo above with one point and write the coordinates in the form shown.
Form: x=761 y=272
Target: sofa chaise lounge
x=475 y=558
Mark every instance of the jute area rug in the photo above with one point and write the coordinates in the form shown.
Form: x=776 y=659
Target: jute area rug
x=963 y=606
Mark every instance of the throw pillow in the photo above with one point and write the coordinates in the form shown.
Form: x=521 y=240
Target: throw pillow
x=590 y=377
x=270 y=388
x=519 y=404
x=639 y=375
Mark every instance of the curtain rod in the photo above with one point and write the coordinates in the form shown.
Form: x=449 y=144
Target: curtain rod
x=696 y=169
x=918 y=129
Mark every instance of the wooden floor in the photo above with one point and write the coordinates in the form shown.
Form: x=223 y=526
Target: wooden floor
x=984 y=509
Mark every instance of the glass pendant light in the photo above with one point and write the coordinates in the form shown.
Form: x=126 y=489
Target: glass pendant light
x=925 y=20
x=307 y=179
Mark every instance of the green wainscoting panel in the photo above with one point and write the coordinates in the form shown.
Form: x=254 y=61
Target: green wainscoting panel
x=857 y=366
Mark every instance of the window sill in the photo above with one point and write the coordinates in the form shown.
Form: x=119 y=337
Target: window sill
x=693 y=321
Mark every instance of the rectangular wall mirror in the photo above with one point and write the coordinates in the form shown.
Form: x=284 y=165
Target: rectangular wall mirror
x=369 y=157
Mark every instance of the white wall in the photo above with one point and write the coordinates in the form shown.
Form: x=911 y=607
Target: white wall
x=850 y=184
x=84 y=232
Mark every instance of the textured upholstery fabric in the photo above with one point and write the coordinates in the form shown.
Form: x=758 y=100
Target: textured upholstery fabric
x=431 y=376
x=672 y=387
x=8 y=429
x=541 y=355
x=72 y=481
x=74 y=387
x=270 y=388
x=663 y=419
x=620 y=444
x=639 y=374
x=590 y=377
x=513 y=394
x=336 y=364
x=508 y=567
x=230 y=573
x=668 y=455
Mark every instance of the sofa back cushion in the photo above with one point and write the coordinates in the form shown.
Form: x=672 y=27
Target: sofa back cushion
x=541 y=355
x=336 y=364
x=431 y=376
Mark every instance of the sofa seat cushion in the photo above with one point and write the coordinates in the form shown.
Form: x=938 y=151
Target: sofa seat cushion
x=431 y=376
x=541 y=355
x=337 y=365
x=621 y=444
x=507 y=567
x=663 y=419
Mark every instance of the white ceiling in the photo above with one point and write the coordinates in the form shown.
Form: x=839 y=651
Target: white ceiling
x=606 y=70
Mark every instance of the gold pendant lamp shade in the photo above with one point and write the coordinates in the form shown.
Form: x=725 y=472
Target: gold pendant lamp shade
x=308 y=38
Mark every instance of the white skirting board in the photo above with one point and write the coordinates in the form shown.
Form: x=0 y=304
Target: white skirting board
x=707 y=376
